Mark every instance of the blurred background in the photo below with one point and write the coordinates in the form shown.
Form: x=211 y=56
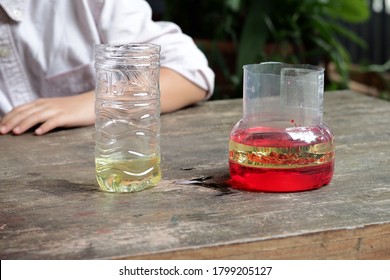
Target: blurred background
x=350 y=38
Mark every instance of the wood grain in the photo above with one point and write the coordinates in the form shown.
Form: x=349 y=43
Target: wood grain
x=52 y=208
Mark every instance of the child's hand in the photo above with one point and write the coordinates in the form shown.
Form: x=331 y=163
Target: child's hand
x=50 y=113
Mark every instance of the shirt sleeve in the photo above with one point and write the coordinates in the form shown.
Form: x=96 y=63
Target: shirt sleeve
x=131 y=22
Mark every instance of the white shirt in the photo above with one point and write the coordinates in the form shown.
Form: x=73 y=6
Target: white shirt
x=47 y=47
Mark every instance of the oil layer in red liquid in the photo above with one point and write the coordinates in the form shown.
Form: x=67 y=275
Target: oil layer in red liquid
x=297 y=176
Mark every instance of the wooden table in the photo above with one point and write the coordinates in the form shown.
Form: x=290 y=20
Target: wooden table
x=51 y=206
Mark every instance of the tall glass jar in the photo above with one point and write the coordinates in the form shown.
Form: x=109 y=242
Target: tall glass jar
x=282 y=144
x=127 y=143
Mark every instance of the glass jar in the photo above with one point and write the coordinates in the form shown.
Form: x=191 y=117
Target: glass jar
x=281 y=144
x=127 y=144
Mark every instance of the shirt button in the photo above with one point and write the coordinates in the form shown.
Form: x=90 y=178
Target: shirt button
x=4 y=51
x=17 y=14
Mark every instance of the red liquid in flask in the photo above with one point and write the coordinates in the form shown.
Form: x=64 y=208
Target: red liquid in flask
x=281 y=160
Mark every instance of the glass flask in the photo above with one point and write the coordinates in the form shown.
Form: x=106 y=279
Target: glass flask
x=127 y=107
x=281 y=144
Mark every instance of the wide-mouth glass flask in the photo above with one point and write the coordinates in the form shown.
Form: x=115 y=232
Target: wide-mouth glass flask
x=281 y=144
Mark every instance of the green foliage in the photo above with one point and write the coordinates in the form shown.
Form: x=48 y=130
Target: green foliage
x=292 y=31
x=311 y=28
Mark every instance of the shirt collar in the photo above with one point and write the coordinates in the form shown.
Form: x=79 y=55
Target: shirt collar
x=15 y=9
